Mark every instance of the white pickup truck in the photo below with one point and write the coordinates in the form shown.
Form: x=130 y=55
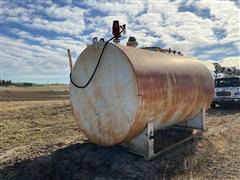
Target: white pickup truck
x=227 y=91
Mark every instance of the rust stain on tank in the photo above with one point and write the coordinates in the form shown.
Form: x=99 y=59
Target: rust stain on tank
x=191 y=85
x=165 y=88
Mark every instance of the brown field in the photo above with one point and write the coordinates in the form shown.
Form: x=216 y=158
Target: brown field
x=40 y=140
x=45 y=92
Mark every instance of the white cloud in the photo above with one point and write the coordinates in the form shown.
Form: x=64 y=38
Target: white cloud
x=231 y=62
x=130 y=8
x=226 y=15
x=73 y=18
x=151 y=22
x=226 y=62
x=162 y=20
x=20 y=58
x=209 y=65
x=59 y=43
x=66 y=19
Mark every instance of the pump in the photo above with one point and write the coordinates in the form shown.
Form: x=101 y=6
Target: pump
x=117 y=30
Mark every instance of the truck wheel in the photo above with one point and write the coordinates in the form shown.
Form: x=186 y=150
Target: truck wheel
x=213 y=105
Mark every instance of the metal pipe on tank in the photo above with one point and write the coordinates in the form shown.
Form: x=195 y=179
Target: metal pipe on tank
x=70 y=59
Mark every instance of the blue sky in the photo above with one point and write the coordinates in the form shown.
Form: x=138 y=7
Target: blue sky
x=36 y=34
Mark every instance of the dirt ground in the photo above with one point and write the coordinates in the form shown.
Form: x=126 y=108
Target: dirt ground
x=40 y=140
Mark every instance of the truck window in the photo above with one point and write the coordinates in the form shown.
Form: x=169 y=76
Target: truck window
x=227 y=82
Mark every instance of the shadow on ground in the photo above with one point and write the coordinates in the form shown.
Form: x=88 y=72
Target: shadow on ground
x=223 y=110
x=90 y=161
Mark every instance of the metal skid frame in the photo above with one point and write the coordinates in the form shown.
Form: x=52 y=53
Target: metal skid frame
x=144 y=143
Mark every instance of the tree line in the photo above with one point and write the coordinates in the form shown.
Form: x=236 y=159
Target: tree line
x=6 y=83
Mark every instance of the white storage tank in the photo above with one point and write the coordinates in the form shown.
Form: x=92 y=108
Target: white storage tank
x=133 y=86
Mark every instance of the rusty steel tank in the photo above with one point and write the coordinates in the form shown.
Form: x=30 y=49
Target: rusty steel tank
x=133 y=86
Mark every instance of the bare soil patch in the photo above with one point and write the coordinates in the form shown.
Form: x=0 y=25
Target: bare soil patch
x=40 y=140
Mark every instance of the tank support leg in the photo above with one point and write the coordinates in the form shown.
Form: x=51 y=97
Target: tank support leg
x=196 y=122
x=145 y=143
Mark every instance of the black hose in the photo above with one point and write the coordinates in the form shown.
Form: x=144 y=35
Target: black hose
x=95 y=69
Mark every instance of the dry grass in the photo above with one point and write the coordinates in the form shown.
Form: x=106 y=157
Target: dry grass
x=35 y=125
x=35 y=122
x=40 y=140
x=60 y=87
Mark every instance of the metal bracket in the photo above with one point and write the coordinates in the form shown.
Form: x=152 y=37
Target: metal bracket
x=144 y=143
x=196 y=122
